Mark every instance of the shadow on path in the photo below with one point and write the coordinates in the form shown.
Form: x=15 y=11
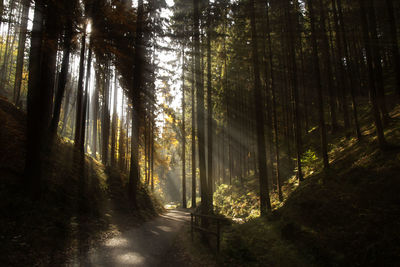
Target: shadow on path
x=140 y=246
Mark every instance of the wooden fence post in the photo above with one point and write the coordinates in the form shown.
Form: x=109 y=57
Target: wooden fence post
x=218 y=236
x=191 y=225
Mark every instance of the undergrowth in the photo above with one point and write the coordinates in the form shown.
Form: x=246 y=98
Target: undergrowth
x=347 y=215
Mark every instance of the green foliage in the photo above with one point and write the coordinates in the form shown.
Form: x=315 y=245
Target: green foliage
x=237 y=201
x=311 y=162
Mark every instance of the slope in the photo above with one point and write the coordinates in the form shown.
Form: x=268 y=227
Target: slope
x=74 y=212
x=346 y=216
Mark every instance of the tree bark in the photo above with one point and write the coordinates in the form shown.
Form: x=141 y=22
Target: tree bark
x=209 y=112
x=62 y=79
x=324 y=143
x=79 y=96
x=33 y=163
x=105 y=124
x=371 y=76
x=394 y=43
x=274 y=100
x=205 y=205
x=86 y=100
x=295 y=92
x=265 y=204
x=349 y=66
x=114 y=124
x=184 y=205
x=375 y=47
x=21 y=51
x=194 y=186
x=134 y=176
x=328 y=66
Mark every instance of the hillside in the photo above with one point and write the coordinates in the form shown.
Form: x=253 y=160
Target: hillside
x=81 y=205
x=345 y=216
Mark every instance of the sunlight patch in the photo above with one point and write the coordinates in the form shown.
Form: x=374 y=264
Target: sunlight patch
x=130 y=258
x=154 y=232
x=117 y=242
x=165 y=228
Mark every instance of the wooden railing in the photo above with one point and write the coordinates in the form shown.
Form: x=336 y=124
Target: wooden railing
x=194 y=225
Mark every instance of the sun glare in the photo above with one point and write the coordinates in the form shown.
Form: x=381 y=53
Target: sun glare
x=89 y=27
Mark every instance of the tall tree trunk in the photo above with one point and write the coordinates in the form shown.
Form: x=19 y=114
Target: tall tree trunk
x=295 y=91
x=371 y=76
x=35 y=101
x=209 y=112
x=134 y=176
x=145 y=148
x=265 y=203
x=49 y=61
x=349 y=65
x=194 y=186
x=394 y=43
x=62 y=79
x=152 y=157
x=328 y=66
x=21 y=51
x=8 y=49
x=86 y=99
x=341 y=77
x=80 y=96
x=317 y=72
x=121 y=149
x=205 y=206
x=105 y=124
x=114 y=124
x=376 y=55
x=95 y=111
x=275 y=117
x=184 y=205
x=1 y=11
x=66 y=109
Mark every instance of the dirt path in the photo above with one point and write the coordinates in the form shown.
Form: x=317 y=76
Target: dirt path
x=146 y=245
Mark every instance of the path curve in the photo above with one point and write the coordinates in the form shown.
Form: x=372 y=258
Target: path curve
x=146 y=245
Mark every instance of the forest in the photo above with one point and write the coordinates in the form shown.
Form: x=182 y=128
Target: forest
x=200 y=132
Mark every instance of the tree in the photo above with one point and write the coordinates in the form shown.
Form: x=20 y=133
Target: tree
x=265 y=204
x=114 y=125
x=394 y=42
x=209 y=110
x=194 y=186
x=295 y=91
x=134 y=176
x=41 y=81
x=183 y=133
x=33 y=168
x=322 y=127
x=371 y=76
x=62 y=79
x=21 y=50
x=205 y=208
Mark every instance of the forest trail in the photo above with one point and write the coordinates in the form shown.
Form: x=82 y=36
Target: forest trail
x=145 y=245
